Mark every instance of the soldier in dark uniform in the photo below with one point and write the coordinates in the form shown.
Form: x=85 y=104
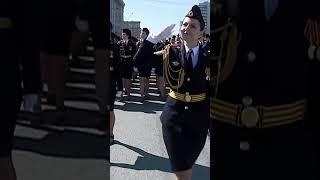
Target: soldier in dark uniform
x=143 y=59
x=207 y=45
x=115 y=80
x=264 y=100
x=55 y=31
x=173 y=39
x=11 y=95
x=127 y=51
x=178 y=40
x=185 y=117
x=158 y=65
x=30 y=60
x=94 y=12
x=135 y=69
x=138 y=43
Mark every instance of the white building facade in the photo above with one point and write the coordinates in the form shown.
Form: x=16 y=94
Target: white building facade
x=134 y=27
x=116 y=16
x=205 y=11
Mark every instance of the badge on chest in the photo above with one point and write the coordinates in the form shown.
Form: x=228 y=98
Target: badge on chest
x=175 y=63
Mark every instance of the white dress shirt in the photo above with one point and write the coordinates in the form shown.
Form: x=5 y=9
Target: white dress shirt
x=194 y=55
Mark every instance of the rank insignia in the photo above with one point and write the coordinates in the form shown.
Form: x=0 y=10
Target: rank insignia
x=175 y=63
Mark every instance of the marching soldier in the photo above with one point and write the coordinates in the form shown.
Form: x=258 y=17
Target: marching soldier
x=185 y=117
x=135 y=69
x=115 y=80
x=127 y=51
x=143 y=59
x=264 y=100
x=93 y=15
x=158 y=65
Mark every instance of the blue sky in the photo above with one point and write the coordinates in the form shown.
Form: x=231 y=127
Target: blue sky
x=158 y=14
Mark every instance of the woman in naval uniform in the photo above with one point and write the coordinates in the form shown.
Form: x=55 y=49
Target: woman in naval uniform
x=115 y=83
x=185 y=117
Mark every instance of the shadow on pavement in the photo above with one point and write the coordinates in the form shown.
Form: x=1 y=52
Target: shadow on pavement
x=65 y=143
x=149 y=161
x=147 y=107
x=71 y=117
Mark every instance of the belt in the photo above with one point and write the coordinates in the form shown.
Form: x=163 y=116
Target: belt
x=257 y=116
x=5 y=23
x=187 y=97
x=126 y=57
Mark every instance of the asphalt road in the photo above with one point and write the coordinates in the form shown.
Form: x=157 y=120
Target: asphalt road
x=139 y=152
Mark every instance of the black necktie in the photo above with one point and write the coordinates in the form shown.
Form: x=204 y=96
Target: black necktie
x=189 y=59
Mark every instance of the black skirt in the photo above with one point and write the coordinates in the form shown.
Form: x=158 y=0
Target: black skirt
x=183 y=148
x=184 y=132
x=158 y=65
x=56 y=35
x=126 y=68
x=144 y=71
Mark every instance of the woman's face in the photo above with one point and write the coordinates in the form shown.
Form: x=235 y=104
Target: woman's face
x=190 y=30
x=125 y=36
x=143 y=35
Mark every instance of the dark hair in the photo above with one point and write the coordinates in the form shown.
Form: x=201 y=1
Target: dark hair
x=127 y=32
x=146 y=30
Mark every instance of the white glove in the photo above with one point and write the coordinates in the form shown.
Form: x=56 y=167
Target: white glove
x=162 y=35
x=135 y=69
x=158 y=53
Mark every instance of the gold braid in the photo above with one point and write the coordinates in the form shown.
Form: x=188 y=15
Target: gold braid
x=167 y=68
x=229 y=33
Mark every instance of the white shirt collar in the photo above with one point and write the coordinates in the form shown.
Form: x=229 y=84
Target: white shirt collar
x=195 y=49
x=195 y=54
